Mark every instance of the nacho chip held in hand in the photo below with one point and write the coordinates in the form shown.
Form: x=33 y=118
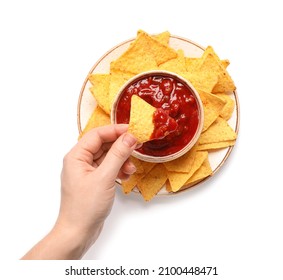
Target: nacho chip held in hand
x=141 y=119
x=148 y=123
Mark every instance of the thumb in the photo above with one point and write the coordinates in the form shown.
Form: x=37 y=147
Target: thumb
x=117 y=155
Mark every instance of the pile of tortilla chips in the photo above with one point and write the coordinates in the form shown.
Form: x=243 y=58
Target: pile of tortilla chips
x=208 y=75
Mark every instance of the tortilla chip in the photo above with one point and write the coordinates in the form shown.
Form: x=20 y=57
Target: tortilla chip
x=100 y=90
x=216 y=146
x=219 y=131
x=204 y=171
x=178 y=179
x=204 y=81
x=168 y=186
x=145 y=53
x=136 y=59
x=97 y=118
x=212 y=107
x=177 y=65
x=147 y=166
x=151 y=184
x=161 y=52
x=184 y=163
x=225 y=63
x=191 y=62
x=128 y=185
x=228 y=109
x=163 y=38
x=138 y=164
x=141 y=119
x=225 y=82
x=117 y=80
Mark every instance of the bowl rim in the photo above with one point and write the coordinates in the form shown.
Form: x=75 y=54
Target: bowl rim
x=179 y=153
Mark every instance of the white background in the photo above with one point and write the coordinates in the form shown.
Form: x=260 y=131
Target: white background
x=234 y=221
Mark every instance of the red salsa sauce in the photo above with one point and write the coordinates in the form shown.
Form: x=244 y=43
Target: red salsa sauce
x=172 y=98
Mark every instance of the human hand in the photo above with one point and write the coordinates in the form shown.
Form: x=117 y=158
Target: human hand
x=88 y=177
x=87 y=191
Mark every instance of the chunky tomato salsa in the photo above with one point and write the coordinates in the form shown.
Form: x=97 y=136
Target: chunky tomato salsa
x=172 y=98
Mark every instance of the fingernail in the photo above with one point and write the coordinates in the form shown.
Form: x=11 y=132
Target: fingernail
x=139 y=145
x=129 y=140
x=131 y=169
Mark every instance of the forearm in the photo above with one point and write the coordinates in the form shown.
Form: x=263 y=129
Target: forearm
x=62 y=244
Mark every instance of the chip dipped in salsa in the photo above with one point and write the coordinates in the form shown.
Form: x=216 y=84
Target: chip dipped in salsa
x=177 y=116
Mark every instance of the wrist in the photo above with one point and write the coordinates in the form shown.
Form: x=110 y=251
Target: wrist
x=74 y=241
x=62 y=243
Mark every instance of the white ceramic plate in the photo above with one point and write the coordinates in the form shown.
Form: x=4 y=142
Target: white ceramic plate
x=86 y=103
